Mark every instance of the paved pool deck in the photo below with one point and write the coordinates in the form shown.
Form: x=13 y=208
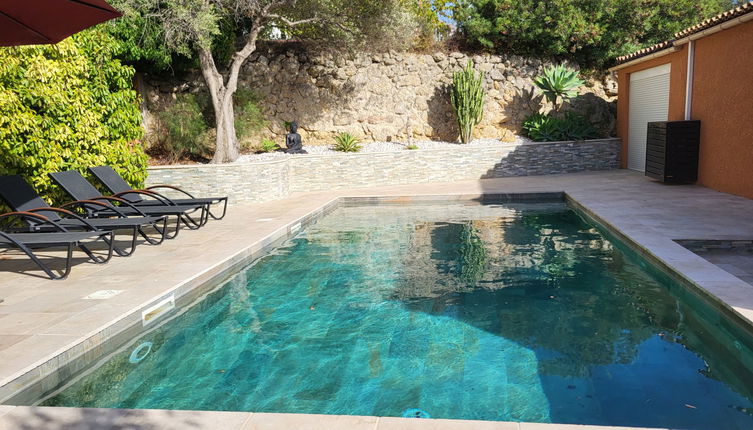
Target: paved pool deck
x=44 y=324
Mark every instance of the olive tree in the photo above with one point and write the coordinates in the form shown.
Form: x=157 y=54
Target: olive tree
x=190 y=26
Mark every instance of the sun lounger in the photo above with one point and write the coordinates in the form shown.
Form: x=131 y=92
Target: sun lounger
x=97 y=205
x=26 y=242
x=22 y=198
x=120 y=188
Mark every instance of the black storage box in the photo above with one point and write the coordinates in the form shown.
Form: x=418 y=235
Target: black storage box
x=672 y=150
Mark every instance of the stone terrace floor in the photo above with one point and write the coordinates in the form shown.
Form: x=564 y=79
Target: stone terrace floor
x=40 y=319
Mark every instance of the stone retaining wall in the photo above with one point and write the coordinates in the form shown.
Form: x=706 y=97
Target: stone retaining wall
x=386 y=96
x=272 y=180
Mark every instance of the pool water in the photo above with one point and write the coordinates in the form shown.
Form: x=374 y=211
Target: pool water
x=515 y=312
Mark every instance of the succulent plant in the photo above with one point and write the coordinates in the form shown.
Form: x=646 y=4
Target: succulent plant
x=467 y=98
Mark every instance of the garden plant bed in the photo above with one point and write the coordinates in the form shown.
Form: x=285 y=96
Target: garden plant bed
x=376 y=147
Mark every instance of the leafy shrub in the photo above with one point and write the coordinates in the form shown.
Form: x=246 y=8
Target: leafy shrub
x=187 y=124
x=248 y=117
x=590 y=32
x=346 y=142
x=68 y=107
x=558 y=83
x=577 y=127
x=541 y=128
x=267 y=145
x=186 y=128
x=467 y=99
x=548 y=128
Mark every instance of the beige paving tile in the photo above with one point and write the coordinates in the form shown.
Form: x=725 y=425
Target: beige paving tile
x=85 y=418
x=390 y=423
x=264 y=421
x=8 y=340
x=48 y=302
x=25 y=323
x=83 y=322
x=738 y=294
x=36 y=348
x=4 y=409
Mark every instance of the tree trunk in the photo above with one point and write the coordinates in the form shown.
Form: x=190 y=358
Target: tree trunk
x=222 y=101
x=221 y=91
x=227 y=142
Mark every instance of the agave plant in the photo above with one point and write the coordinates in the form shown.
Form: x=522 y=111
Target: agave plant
x=267 y=145
x=558 y=83
x=548 y=128
x=346 y=142
x=542 y=128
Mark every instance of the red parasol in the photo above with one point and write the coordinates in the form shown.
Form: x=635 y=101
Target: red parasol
x=34 y=22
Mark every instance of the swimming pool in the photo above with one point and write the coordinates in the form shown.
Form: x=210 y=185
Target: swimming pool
x=514 y=312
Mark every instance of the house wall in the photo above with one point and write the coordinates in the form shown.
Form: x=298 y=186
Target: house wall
x=678 y=61
x=722 y=101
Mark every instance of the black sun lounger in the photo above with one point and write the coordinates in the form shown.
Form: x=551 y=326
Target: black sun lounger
x=19 y=195
x=97 y=205
x=28 y=241
x=120 y=188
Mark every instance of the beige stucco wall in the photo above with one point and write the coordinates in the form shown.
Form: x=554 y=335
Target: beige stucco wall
x=721 y=100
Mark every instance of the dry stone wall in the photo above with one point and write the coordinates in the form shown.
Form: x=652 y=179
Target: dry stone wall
x=390 y=96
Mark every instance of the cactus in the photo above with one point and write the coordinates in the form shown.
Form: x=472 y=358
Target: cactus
x=467 y=98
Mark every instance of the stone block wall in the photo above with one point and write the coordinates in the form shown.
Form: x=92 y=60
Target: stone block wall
x=272 y=180
x=389 y=96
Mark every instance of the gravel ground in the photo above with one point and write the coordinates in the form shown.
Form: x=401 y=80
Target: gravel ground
x=377 y=147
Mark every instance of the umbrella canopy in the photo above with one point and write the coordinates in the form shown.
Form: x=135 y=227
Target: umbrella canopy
x=34 y=22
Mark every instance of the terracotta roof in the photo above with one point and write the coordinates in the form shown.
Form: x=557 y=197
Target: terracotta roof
x=701 y=26
x=645 y=51
x=716 y=20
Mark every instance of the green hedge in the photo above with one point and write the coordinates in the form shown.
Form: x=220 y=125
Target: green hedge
x=68 y=106
x=591 y=32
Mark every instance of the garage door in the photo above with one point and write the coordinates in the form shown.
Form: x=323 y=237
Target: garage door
x=649 y=101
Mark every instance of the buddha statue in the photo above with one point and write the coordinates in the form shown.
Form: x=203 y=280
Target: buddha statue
x=293 y=142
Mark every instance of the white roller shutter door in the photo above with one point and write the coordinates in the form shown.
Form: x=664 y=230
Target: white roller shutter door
x=649 y=101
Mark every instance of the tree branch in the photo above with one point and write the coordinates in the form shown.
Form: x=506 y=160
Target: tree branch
x=240 y=56
x=275 y=5
x=290 y=23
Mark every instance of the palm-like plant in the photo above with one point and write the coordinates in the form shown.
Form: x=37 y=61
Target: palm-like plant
x=558 y=83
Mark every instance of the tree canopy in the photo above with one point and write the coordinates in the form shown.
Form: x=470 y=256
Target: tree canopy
x=222 y=34
x=147 y=25
x=591 y=32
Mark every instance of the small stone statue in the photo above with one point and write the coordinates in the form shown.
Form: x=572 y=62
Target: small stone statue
x=293 y=140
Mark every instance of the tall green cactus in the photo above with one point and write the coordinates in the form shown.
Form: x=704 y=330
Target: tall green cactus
x=467 y=98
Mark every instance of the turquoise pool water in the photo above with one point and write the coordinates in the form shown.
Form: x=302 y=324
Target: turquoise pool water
x=494 y=312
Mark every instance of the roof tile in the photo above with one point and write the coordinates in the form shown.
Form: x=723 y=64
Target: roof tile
x=701 y=26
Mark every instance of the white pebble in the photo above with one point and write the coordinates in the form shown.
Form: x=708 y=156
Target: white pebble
x=372 y=147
